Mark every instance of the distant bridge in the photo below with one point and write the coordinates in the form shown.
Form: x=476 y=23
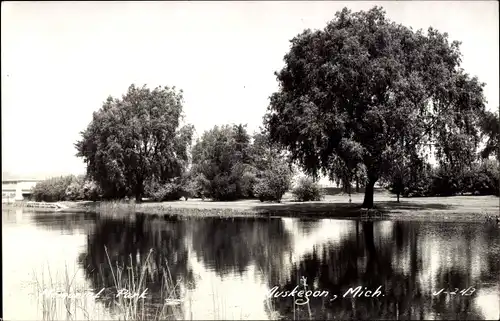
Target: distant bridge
x=17 y=189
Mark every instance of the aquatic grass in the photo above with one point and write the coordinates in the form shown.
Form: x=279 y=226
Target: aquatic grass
x=49 y=289
x=269 y=306
x=274 y=313
x=131 y=278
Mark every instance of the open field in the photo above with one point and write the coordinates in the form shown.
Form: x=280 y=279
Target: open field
x=334 y=206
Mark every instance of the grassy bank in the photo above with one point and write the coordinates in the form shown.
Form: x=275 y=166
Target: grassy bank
x=333 y=206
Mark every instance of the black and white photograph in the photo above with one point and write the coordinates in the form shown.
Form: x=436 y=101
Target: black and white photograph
x=250 y=160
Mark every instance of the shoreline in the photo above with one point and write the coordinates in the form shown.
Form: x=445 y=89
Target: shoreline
x=453 y=208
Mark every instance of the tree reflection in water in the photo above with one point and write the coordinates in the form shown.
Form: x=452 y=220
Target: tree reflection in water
x=409 y=260
x=364 y=260
x=128 y=241
x=232 y=245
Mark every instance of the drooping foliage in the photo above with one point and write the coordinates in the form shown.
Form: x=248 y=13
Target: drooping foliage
x=490 y=126
x=135 y=140
x=365 y=90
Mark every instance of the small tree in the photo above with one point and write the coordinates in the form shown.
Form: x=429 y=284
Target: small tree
x=222 y=158
x=91 y=190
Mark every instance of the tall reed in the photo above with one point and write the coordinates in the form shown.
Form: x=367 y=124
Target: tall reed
x=62 y=298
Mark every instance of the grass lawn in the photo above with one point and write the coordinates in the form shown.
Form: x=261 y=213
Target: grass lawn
x=335 y=206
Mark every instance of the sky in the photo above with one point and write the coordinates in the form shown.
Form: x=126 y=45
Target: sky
x=61 y=60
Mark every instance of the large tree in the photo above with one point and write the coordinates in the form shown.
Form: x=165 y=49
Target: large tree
x=365 y=89
x=135 y=139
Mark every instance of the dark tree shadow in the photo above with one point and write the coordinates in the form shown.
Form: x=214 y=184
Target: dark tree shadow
x=315 y=209
x=390 y=205
x=341 y=210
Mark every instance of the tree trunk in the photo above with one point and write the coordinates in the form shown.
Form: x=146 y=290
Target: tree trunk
x=369 y=238
x=398 y=197
x=357 y=184
x=368 y=201
x=138 y=193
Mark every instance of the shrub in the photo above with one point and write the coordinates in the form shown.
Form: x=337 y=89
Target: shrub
x=273 y=184
x=159 y=192
x=224 y=188
x=198 y=186
x=52 y=189
x=91 y=191
x=75 y=190
x=484 y=179
x=307 y=190
x=247 y=183
x=171 y=191
x=66 y=188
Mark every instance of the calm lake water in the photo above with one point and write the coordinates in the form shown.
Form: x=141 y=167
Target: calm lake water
x=225 y=268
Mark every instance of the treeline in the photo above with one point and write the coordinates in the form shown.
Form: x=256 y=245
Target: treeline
x=227 y=163
x=479 y=178
x=138 y=147
x=358 y=101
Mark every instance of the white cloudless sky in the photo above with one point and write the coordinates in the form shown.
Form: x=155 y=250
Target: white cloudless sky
x=61 y=60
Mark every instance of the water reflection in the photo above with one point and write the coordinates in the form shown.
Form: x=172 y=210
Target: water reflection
x=121 y=254
x=40 y=255
x=399 y=260
x=233 y=245
x=224 y=268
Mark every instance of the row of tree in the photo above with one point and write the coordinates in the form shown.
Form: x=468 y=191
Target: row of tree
x=362 y=100
x=138 y=147
x=478 y=178
x=226 y=163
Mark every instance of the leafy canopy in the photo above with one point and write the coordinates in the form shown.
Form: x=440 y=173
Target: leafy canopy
x=368 y=90
x=223 y=159
x=136 y=138
x=490 y=127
